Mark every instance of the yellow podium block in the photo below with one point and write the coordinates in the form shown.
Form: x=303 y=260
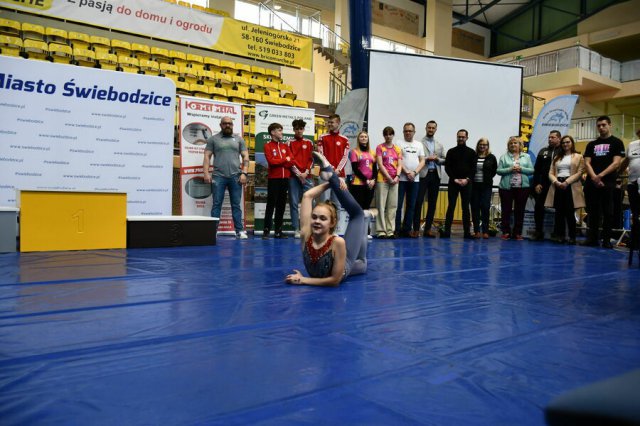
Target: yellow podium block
x=53 y=220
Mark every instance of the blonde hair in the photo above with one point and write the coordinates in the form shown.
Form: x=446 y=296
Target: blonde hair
x=517 y=139
x=333 y=213
x=483 y=139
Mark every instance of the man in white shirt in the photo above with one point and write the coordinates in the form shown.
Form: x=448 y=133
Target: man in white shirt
x=412 y=163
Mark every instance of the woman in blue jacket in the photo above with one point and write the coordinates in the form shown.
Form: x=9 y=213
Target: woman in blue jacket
x=515 y=167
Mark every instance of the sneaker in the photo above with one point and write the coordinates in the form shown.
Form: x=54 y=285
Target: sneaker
x=296 y=234
x=518 y=238
x=280 y=235
x=477 y=235
x=369 y=237
x=607 y=245
x=485 y=236
x=429 y=234
x=505 y=237
x=242 y=235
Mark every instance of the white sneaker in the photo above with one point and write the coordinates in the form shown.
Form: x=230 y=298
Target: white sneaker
x=369 y=237
x=296 y=234
x=242 y=235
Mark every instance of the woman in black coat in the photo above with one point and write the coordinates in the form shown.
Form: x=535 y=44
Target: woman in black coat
x=482 y=188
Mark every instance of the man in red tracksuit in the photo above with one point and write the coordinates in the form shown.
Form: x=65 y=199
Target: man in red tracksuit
x=278 y=157
x=335 y=147
x=301 y=180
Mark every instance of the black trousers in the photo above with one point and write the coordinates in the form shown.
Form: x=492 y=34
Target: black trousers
x=277 y=190
x=538 y=211
x=429 y=187
x=565 y=216
x=634 y=203
x=465 y=198
x=600 y=209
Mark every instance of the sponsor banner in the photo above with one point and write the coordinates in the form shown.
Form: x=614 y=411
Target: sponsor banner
x=555 y=115
x=71 y=128
x=161 y=19
x=265 y=115
x=200 y=119
x=265 y=44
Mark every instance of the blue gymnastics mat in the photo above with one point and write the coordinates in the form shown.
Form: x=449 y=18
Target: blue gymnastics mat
x=438 y=332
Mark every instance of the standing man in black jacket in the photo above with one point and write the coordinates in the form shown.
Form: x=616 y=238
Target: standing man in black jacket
x=459 y=163
x=541 y=182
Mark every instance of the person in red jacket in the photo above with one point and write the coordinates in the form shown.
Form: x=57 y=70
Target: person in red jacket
x=279 y=158
x=301 y=180
x=335 y=147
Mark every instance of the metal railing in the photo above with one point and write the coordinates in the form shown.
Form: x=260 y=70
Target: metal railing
x=569 y=58
x=622 y=125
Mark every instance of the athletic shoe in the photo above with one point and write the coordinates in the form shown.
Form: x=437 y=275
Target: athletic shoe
x=485 y=236
x=518 y=238
x=477 y=235
x=297 y=234
x=369 y=237
x=505 y=237
x=242 y=235
x=429 y=234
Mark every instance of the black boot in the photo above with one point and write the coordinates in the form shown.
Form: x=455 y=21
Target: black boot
x=265 y=233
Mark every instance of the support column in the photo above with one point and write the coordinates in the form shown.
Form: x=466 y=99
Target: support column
x=439 y=20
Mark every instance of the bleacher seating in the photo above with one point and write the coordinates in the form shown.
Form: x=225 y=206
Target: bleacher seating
x=194 y=74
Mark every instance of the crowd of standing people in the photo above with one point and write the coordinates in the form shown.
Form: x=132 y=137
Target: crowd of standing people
x=400 y=174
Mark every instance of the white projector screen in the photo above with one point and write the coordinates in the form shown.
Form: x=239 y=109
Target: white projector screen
x=481 y=97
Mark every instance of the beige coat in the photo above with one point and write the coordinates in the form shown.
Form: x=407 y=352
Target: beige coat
x=575 y=180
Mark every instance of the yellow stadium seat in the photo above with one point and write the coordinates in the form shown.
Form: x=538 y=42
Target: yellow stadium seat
x=199 y=90
x=149 y=67
x=60 y=53
x=267 y=99
x=253 y=98
x=171 y=1
x=160 y=55
x=236 y=95
x=224 y=78
x=10 y=27
x=271 y=72
x=169 y=69
x=218 y=93
x=35 y=49
x=10 y=45
x=286 y=88
x=178 y=55
x=120 y=47
x=240 y=79
x=141 y=51
x=285 y=101
x=229 y=65
x=218 y=12
x=290 y=95
x=207 y=77
x=79 y=40
x=183 y=88
x=208 y=60
x=243 y=68
x=257 y=70
x=271 y=85
x=300 y=104
x=107 y=61
x=99 y=41
x=173 y=77
x=192 y=57
x=128 y=64
x=32 y=32
x=84 y=57
x=198 y=7
x=56 y=35
x=189 y=75
x=184 y=3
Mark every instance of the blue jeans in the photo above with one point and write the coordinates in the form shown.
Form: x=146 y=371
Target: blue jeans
x=218 y=186
x=411 y=191
x=296 y=189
